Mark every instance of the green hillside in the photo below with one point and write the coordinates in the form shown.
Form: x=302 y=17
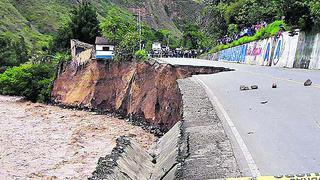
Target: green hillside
x=12 y=21
x=42 y=16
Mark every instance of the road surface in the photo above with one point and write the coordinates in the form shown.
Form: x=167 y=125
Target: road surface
x=279 y=127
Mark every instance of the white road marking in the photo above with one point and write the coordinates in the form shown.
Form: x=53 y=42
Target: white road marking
x=252 y=165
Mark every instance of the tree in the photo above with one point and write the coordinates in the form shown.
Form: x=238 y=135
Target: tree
x=7 y=55
x=117 y=24
x=83 y=25
x=128 y=46
x=315 y=12
x=21 y=50
x=141 y=55
x=297 y=13
x=121 y=29
x=193 y=38
x=13 y=51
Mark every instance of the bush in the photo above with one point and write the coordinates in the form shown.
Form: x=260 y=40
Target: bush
x=141 y=55
x=33 y=81
x=233 y=29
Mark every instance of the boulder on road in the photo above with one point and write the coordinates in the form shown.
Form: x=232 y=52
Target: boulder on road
x=244 y=88
x=308 y=82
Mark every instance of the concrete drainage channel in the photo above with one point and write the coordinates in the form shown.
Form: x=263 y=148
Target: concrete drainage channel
x=195 y=148
x=129 y=161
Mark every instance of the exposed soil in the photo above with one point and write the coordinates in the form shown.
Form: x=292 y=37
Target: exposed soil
x=41 y=141
x=148 y=91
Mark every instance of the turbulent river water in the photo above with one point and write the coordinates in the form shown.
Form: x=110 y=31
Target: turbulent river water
x=42 y=141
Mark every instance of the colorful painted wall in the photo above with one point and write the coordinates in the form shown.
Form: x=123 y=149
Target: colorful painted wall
x=299 y=51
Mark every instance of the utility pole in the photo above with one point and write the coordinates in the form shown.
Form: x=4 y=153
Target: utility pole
x=139 y=29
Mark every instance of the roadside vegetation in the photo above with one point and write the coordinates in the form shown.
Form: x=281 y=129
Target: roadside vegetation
x=269 y=31
x=220 y=18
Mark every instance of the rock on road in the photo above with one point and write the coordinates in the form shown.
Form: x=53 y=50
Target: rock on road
x=279 y=126
x=39 y=141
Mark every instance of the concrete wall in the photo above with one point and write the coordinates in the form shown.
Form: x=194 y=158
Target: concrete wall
x=81 y=52
x=308 y=51
x=129 y=161
x=299 y=51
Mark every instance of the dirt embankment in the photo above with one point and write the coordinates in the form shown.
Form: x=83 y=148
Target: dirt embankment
x=147 y=92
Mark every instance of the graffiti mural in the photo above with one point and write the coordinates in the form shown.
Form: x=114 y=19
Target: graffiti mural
x=254 y=50
x=268 y=50
x=266 y=57
x=236 y=54
x=272 y=51
x=278 y=51
x=298 y=51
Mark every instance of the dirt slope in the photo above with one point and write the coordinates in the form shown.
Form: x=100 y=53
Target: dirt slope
x=146 y=92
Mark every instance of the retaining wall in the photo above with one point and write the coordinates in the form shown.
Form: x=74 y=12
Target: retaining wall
x=129 y=161
x=195 y=148
x=299 y=51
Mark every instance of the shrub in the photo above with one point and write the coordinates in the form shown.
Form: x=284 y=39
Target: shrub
x=33 y=81
x=141 y=55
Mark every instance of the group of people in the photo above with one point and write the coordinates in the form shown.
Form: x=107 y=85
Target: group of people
x=246 y=31
x=175 y=53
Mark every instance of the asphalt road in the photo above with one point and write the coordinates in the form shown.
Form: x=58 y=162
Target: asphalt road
x=282 y=135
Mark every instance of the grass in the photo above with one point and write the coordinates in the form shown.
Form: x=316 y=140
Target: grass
x=269 y=31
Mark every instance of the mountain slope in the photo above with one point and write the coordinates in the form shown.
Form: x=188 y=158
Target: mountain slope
x=164 y=14
x=14 y=24
x=45 y=16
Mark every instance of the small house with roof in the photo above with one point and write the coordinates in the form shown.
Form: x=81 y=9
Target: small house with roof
x=104 y=49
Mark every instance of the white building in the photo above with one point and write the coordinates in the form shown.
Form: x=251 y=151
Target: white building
x=104 y=49
x=156 y=46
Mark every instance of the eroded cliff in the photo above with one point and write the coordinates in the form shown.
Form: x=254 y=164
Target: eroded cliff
x=146 y=92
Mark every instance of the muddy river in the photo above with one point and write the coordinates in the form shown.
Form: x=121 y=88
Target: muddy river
x=40 y=141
